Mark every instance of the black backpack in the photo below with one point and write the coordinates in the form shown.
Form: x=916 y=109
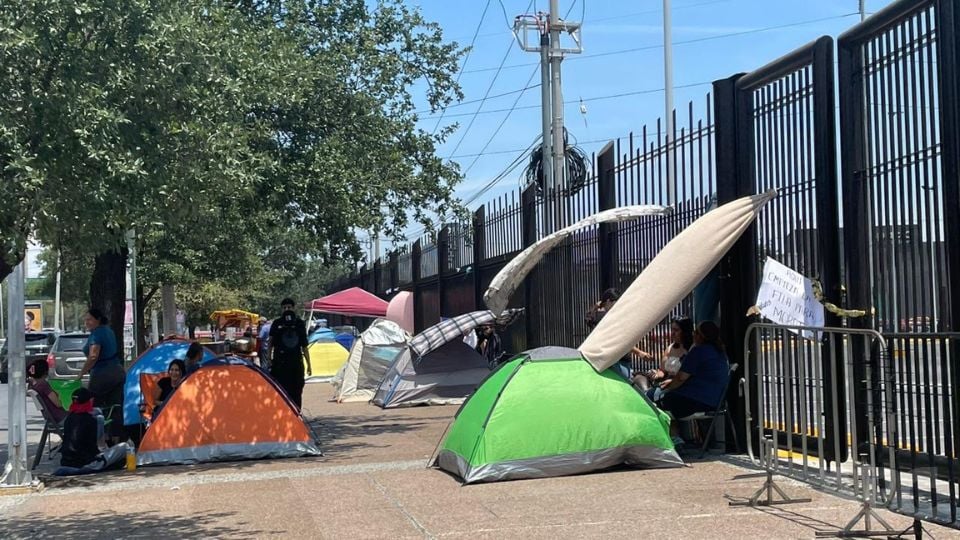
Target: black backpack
x=288 y=342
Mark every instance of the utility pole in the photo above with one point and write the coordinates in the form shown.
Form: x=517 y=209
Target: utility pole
x=546 y=146
x=3 y=330
x=15 y=472
x=549 y=29
x=668 y=101
x=863 y=10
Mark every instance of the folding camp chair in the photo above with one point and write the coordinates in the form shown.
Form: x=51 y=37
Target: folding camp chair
x=50 y=426
x=713 y=416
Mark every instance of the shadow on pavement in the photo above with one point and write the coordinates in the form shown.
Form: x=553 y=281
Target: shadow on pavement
x=133 y=525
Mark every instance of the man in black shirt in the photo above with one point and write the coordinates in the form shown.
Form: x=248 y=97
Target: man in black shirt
x=288 y=351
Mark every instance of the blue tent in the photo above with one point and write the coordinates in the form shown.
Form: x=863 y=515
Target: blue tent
x=156 y=359
x=322 y=333
x=346 y=340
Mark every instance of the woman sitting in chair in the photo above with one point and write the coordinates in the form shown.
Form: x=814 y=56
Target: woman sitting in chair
x=167 y=385
x=37 y=381
x=703 y=376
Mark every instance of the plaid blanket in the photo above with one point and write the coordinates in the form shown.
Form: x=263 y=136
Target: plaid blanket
x=446 y=331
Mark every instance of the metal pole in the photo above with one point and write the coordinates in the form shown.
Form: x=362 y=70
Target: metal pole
x=559 y=168
x=668 y=100
x=3 y=328
x=132 y=254
x=863 y=10
x=546 y=161
x=56 y=300
x=16 y=473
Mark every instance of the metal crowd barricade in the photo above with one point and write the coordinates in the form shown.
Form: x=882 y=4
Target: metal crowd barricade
x=801 y=385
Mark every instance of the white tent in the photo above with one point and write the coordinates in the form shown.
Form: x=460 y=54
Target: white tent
x=670 y=276
x=370 y=359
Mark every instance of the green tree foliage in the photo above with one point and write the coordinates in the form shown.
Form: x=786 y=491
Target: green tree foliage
x=217 y=130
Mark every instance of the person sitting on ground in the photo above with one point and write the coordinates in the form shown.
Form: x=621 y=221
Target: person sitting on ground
x=681 y=337
x=80 y=431
x=703 y=376
x=489 y=345
x=37 y=381
x=193 y=358
x=167 y=385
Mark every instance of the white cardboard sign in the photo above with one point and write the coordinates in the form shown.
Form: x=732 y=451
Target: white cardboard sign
x=786 y=297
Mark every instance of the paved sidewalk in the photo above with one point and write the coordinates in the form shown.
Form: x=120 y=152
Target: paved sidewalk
x=372 y=483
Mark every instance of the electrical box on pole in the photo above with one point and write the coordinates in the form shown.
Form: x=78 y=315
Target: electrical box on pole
x=542 y=33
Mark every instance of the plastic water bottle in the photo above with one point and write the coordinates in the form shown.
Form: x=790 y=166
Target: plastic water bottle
x=131 y=459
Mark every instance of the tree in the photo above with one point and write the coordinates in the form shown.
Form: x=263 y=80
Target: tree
x=215 y=130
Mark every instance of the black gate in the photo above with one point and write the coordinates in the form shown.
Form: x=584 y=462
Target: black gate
x=899 y=120
x=776 y=129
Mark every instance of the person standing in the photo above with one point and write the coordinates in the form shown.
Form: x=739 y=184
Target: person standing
x=264 y=343
x=106 y=371
x=288 y=352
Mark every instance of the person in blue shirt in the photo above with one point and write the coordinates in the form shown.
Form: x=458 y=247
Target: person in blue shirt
x=106 y=371
x=704 y=374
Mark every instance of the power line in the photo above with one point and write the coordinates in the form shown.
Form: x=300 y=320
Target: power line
x=486 y=94
x=462 y=103
x=619 y=17
x=585 y=100
x=512 y=150
x=465 y=59
x=502 y=122
x=684 y=42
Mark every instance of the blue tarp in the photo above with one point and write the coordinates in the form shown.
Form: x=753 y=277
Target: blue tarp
x=155 y=360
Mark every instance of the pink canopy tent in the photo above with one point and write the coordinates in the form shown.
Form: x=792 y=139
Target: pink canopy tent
x=353 y=302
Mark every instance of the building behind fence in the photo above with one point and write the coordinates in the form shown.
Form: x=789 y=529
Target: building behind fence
x=877 y=223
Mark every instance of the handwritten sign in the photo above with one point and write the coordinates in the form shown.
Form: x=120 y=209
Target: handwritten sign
x=786 y=297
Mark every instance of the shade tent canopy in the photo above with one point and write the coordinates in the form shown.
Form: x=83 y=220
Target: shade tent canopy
x=353 y=302
x=498 y=293
x=226 y=411
x=547 y=413
x=154 y=360
x=668 y=278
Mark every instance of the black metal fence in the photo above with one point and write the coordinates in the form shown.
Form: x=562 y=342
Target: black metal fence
x=878 y=225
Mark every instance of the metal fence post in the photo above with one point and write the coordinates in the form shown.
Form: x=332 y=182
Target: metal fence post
x=394 y=270
x=528 y=218
x=607 y=199
x=377 y=278
x=479 y=253
x=415 y=272
x=735 y=295
x=443 y=268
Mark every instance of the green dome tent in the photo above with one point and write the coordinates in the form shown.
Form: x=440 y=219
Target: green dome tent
x=557 y=411
x=548 y=413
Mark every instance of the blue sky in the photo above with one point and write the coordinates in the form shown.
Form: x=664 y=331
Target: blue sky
x=608 y=27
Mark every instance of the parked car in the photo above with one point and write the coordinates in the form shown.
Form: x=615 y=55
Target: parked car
x=38 y=346
x=66 y=358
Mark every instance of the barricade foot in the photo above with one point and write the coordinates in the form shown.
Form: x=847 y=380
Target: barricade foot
x=865 y=515
x=770 y=488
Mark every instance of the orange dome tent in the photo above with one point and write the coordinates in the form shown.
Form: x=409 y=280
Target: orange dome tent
x=226 y=412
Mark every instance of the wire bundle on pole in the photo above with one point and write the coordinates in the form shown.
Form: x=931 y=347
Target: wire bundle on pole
x=575 y=163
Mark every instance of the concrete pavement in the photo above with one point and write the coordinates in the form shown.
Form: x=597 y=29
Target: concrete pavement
x=373 y=483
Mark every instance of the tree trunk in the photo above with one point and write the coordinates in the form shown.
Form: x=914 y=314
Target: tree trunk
x=108 y=289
